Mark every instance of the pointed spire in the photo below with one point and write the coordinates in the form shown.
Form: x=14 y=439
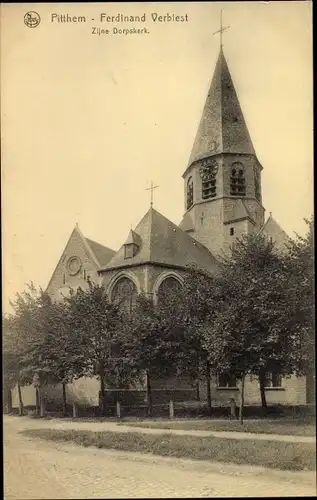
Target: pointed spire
x=222 y=128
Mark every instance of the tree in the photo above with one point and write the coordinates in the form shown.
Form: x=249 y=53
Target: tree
x=95 y=321
x=57 y=358
x=41 y=343
x=10 y=361
x=197 y=303
x=247 y=329
x=150 y=340
x=300 y=267
x=21 y=332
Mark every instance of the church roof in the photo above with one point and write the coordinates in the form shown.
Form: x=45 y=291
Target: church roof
x=133 y=238
x=239 y=211
x=162 y=242
x=103 y=254
x=273 y=230
x=187 y=223
x=222 y=128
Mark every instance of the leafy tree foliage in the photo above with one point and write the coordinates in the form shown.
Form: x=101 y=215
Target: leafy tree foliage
x=300 y=266
x=95 y=322
x=255 y=316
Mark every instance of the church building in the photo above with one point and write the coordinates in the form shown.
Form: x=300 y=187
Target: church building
x=222 y=201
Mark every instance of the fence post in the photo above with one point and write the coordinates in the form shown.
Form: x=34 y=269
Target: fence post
x=171 y=409
x=233 y=408
x=118 y=410
x=74 y=410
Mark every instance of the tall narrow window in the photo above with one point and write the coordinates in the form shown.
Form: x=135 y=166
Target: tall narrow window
x=168 y=288
x=190 y=193
x=124 y=293
x=237 y=180
x=208 y=173
x=257 y=185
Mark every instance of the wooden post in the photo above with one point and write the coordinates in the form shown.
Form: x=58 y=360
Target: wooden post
x=74 y=410
x=171 y=409
x=118 y=410
x=233 y=408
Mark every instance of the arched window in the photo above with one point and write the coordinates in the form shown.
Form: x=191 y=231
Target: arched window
x=125 y=293
x=190 y=193
x=208 y=173
x=169 y=287
x=237 y=179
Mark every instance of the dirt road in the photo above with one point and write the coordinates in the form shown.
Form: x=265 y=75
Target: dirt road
x=36 y=469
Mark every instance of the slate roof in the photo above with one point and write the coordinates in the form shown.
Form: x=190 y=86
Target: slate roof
x=239 y=211
x=222 y=127
x=133 y=238
x=187 y=223
x=162 y=242
x=273 y=230
x=103 y=254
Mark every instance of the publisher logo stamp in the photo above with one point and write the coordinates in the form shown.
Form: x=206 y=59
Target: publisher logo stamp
x=32 y=19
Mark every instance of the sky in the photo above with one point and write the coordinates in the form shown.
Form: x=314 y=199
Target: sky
x=87 y=121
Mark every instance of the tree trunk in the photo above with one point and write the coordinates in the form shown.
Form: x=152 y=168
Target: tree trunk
x=64 y=400
x=102 y=402
x=42 y=404
x=197 y=391
x=262 y=391
x=9 y=401
x=21 y=409
x=242 y=400
x=149 y=394
x=37 y=401
x=208 y=386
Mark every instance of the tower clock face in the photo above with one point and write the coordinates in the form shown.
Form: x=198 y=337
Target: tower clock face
x=209 y=169
x=73 y=265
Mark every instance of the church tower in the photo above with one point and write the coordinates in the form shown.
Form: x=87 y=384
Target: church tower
x=223 y=177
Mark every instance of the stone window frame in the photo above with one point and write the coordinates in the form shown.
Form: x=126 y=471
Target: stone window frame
x=237 y=179
x=117 y=277
x=190 y=193
x=162 y=277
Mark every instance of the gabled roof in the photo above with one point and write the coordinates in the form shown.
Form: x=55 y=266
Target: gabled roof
x=98 y=253
x=222 y=128
x=164 y=243
x=273 y=230
x=102 y=253
x=239 y=211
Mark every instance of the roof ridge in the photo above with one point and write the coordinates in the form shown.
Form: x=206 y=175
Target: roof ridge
x=97 y=243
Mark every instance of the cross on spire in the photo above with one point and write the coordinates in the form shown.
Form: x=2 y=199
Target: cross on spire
x=222 y=29
x=151 y=189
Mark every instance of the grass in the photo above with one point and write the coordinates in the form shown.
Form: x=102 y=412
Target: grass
x=277 y=455
x=283 y=427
